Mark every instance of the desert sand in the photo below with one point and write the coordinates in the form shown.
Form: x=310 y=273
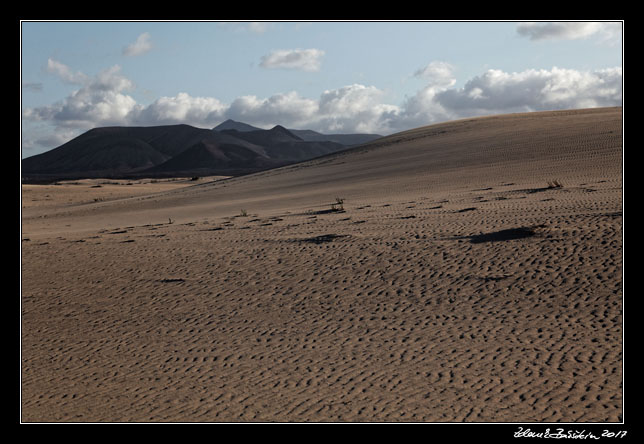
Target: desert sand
x=472 y=273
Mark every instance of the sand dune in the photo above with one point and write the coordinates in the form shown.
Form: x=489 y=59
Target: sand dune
x=472 y=273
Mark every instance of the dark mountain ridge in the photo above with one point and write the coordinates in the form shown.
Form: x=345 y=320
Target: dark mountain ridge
x=306 y=135
x=173 y=150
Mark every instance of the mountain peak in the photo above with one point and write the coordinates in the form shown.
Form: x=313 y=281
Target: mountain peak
x=279 y=129
x=232 y=124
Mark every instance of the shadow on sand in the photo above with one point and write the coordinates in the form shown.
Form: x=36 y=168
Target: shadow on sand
x=503 y=235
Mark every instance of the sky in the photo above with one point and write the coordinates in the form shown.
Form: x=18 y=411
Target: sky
x=345 y=77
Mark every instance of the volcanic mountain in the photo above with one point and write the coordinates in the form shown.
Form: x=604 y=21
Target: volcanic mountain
x=174 y=150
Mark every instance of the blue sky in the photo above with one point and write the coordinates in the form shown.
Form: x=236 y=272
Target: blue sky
x=333 y=77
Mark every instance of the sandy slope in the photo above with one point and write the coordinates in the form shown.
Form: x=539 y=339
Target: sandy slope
x=68 y=193
x=456 y=285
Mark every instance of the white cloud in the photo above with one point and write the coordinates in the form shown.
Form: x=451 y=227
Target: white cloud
x=110 y=79
x=607 y=31
x=354 y=108
x=496 y=91
x=420 y=109
x=103 y=100
x=100 y=101
x=65 y=73
x=89 y=108
x=301 y=59
x=438 y=74
x=284 y=109
x=180 y=109
x=142 y=45
x=349 y=100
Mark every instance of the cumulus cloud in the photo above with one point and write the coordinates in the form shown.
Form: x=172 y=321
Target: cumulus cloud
x=103 y=100
x=496 y=91
x=300 y=59
x=111 y=79
x=569 y=30
x=423 y=108
x=182 y=108
x=89 y=108
x=287 y=108
x=349 y=100
x=142 y=45
x=100 y=101
x=438 y=74
x=420 y=109
x=493 y=92
x=354 y=108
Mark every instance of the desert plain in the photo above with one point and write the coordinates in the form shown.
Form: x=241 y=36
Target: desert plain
x=468 y=271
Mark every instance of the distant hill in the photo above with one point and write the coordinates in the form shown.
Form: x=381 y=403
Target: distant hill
x=173 y=150
x=306 y=135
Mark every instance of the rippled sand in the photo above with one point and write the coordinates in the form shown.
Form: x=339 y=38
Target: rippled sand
x=456 y=282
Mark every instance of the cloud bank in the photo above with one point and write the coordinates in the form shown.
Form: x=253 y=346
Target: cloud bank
x=496 y=91
x=103 y=100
